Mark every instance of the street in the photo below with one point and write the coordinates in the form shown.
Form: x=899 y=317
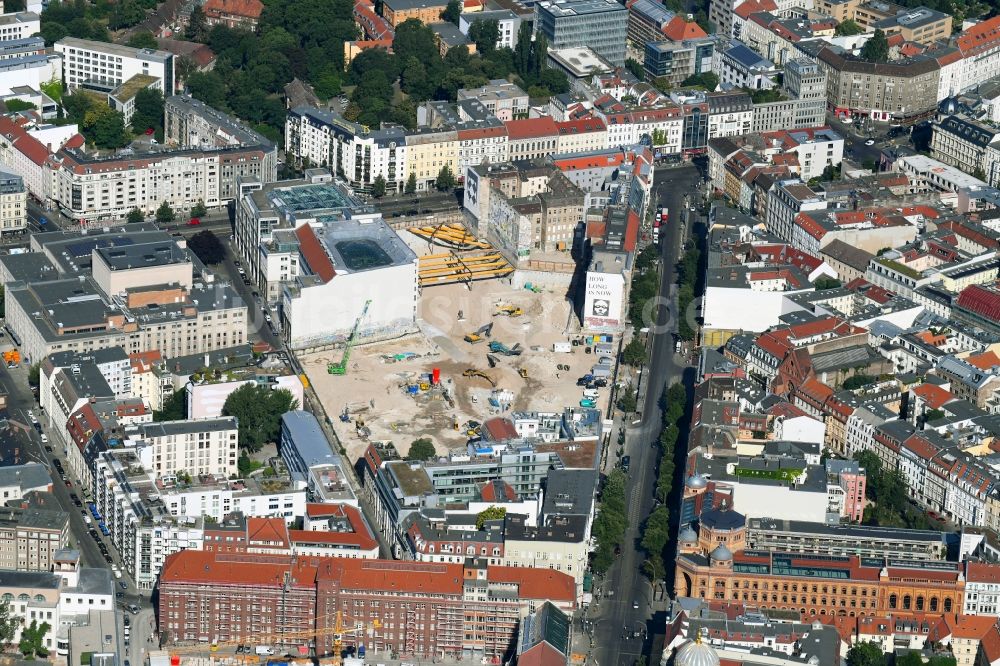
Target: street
x=616 y=621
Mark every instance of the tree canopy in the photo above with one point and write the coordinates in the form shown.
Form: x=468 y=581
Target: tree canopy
x=135 y=216
x=634 y=353
x=207 y=247
x=165 y=214
x=421 y=449
x=876 y=49
x=148 y=112
x=848 y=28
x=258 y=410
x=865 y=654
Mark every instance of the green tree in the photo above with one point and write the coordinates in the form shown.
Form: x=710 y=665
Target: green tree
x=627 y=400
x=848 y=28
x=258 y=410
x=14 y=105
x=636 y=68
x=933 y=415
x=452 y=11
x=33 y=640
x=199 y=209
x=491 y=513
x=165 y=214
x=135 y=216
x=105 y=127
x=707 y=80
x=143 y=39
x=865 y=654
x=34 y=373
x=378 y=187
x=207 y=87
x=634 y=353
x=826 y=282
x=8 y=624
x=485 y=34
x=445 y=179
x=611 y=521
x=197 y=27
x=421 y=449
x=174 y=407
x=655 y=535
x=411 y=183
x=207 y=247
x=148 y=112
x=876 y=49
x=522 y=49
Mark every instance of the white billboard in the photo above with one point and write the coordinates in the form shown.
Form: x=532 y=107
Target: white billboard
x=602 y=305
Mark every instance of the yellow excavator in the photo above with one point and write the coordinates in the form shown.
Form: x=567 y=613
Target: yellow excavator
x=509 y=311
x=472 y=372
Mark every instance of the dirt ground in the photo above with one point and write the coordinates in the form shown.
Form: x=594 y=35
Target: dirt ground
x=374 y=389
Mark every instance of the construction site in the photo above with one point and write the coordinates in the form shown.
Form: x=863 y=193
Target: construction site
x=482 y=349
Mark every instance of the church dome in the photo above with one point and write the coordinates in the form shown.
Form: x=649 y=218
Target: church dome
x=696 y=653
x=721 y=554
x=697 y=481
x=687 y=535
x=949 y=105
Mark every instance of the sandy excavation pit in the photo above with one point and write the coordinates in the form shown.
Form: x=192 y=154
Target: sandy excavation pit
x=374 y=388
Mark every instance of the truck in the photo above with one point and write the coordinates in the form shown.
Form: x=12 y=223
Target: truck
x=562 y=347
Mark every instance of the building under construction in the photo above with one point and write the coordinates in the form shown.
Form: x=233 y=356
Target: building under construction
x=319 y=606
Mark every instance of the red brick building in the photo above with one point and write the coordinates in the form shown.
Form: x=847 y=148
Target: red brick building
x=406 y=608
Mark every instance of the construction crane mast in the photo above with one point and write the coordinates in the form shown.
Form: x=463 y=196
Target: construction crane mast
x=341 y=367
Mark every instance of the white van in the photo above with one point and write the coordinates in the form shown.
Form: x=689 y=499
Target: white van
x=264 y=650
x=591 y=393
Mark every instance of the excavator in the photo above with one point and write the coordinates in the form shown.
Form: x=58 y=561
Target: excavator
x=509 y=311
x=472 y=372
x=481 y=333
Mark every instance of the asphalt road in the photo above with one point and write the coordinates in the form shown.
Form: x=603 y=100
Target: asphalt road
x=619 y=619
x=414 y=204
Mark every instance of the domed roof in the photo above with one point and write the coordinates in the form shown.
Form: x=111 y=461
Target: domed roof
x=697 y=481
x=687 y=535
x=696 y=653
x=948 y=105
x=723 y=519
x=721 y=553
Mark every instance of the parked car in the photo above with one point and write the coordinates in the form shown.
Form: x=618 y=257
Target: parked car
x=194 y=222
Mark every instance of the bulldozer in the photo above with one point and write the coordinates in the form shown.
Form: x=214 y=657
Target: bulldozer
x=472 y=372
x=523 y=372
x=509 y=311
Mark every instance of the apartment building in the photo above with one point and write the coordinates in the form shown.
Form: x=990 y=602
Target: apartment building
x=900 y=90
x=236 y=14
x=971 y=146
x=475 y=608
x=19 y=25
x=508 y=23
x=13 y=204
x=600 y=25
x=17 y=481
x=355 y=152
x=197 y=447
x=31 y=536
x=501 y=98
x=190 y=123
x=103 y=66
x=101 y=190
x=791 y=536
x=920 y=25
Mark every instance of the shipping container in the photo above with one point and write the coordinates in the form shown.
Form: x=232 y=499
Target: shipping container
x=562 y=347
x=601 y=371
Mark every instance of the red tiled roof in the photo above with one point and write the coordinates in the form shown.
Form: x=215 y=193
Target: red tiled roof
x=580 y=126
x=979 y=37
x=970 y=626
x=754 y=6
x=314 y=253
x=359 y=537
x=933 y=395
x=541 y=654
x=678 y=29
x=981 y=301
x=536 y=583
x=250 y=9
x=499 y=429
x=982 y=572
x=531 y=128
x=267 y=529
x=985 y=361
x=28 y=145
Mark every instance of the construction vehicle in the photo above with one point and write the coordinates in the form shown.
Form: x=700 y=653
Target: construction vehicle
x=500 y=348
x=12 y=358
x=523 y=372
x=341 y=367
x=492 y=360
x=481 y=333
x=472 y=372
x=509 y=311
x=345 y=416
